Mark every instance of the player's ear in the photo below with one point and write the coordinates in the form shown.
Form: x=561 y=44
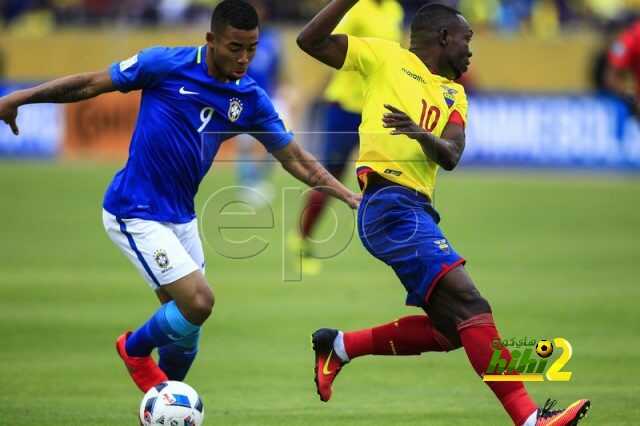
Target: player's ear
x=443 y=37
x=211 y=38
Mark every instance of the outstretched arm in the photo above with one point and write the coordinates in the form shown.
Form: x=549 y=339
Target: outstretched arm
x=445 y=150
x=63 y=90
x=316 y=39
x=306 y=168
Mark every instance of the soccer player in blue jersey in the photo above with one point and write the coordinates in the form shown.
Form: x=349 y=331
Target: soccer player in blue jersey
x=193 y=99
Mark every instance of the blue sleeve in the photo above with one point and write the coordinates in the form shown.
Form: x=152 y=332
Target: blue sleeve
x=141 y=71
x=268 y=127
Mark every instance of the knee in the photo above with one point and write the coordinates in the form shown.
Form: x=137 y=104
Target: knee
x=201 y=307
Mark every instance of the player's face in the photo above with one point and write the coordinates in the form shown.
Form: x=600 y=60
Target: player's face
x=234 y=50
x=458 y=52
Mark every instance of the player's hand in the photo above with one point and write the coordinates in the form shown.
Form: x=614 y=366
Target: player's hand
x=401 y=123
x=353 y=200
x=9 y=113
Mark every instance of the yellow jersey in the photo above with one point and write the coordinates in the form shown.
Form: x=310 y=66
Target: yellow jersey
x=368 y=18
x=395 y=76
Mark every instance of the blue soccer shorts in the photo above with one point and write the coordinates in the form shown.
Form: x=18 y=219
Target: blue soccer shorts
x=399 y=226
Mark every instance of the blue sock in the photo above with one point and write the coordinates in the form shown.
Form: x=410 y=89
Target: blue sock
x=166 y=326
x=176 y=358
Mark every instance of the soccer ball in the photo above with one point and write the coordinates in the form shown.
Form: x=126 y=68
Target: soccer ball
x=171 y=404
x=544 y=348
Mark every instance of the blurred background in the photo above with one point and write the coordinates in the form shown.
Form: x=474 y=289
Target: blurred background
x=544 y=206
x=543 y=90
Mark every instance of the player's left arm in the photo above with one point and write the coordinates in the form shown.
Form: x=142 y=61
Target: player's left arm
x=306 y=168
x=445 y=151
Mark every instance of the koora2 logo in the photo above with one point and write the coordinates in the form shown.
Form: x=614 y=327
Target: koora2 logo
x=525 y=366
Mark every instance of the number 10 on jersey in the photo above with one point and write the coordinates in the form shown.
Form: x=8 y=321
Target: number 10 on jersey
x=429 y=117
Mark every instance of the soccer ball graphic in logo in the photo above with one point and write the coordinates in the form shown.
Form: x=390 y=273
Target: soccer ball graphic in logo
x=171 y=404
x=544 y=348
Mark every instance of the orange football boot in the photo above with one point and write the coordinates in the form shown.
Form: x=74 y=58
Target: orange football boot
x=143 y=370
x=328 y=364
x=570 y=416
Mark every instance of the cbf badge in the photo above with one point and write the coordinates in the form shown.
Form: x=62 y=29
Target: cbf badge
x=162 y=260
x=235 y=109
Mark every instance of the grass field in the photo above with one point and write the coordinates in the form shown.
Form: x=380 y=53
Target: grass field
x=556 y=254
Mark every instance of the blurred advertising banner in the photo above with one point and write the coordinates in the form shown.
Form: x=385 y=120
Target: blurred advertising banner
x=41 y=130
x=551 y=131
x=101 y=127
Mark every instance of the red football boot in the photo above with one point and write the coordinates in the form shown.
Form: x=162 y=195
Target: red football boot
x=143 y=370
x=328 y=364
x=570 y=416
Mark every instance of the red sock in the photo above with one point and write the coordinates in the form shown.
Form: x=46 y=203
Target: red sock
x=407 y=336
x=477 y=334
x=311 y=212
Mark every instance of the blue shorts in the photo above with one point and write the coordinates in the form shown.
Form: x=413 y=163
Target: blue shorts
x=341 y=137
x=400 y=227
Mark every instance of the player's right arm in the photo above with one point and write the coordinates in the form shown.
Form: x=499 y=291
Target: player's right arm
x=316 y=38
x=63 y=90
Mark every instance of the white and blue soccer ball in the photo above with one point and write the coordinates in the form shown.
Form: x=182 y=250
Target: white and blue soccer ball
x=171 y=404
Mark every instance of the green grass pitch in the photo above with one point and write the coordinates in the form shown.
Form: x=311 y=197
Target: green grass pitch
x=557 y=255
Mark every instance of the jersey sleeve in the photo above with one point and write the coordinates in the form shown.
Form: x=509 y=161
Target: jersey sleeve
x=141 y=71
x=347 y=25
x=365 y=54
x=268 y=127
x=620 y=54
x=460 y=109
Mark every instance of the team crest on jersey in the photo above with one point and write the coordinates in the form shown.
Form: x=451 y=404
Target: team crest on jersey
x=443 y=245
x=449 y=95
x=235 y=109
x=162 y=260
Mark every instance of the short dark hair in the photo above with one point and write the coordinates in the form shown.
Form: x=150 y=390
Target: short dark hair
x=236 y=13
x=433 y=17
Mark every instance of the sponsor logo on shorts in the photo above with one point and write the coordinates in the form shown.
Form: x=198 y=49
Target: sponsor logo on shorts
x=442 y=245
x=162 y=260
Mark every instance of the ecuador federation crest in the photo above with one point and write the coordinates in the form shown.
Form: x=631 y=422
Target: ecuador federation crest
x=235 y=109
x=449 y=95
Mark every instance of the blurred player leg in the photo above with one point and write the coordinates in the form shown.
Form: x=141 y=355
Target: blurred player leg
x=253 y=170
x=340 y=140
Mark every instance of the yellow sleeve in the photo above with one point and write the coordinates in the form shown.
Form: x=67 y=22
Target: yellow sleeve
x=346 y=25
x=462 y=104
x=365 y=54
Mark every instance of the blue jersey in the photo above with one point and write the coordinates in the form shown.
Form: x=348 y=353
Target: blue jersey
x=185 y=114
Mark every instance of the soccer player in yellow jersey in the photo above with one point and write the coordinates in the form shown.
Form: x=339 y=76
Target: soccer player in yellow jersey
x=344 y=99
x=413 y=122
